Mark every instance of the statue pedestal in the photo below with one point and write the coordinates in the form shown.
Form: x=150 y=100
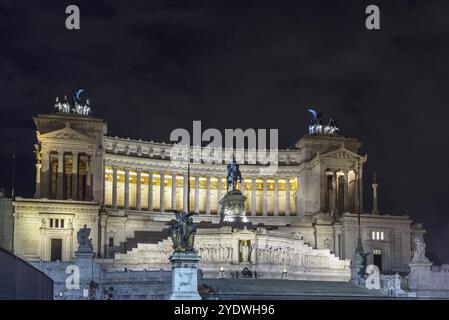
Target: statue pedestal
x=185 y=276
x=419 y=276
x=357 y=267
x=233 y=208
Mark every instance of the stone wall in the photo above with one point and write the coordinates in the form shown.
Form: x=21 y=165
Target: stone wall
x=33 y=228
x=429 y=281
x=271 y=254
x=122 y=285
x=6 y=222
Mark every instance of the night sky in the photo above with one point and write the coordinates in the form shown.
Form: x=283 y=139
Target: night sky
x=152 y=66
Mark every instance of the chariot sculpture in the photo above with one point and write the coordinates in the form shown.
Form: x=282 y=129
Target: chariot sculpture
x=316 y=124
x=77 y=108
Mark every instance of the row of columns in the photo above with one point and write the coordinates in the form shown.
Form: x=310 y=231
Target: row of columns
x=44 y=166
x=196 y=192
x=333 y=195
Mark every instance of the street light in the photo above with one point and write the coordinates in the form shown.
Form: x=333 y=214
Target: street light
x=284 y=274
x=221 y=274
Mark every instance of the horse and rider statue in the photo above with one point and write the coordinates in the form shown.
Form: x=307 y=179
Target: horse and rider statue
x=233 y=175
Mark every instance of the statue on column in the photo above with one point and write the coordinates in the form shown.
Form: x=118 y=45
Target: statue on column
x=84 y=242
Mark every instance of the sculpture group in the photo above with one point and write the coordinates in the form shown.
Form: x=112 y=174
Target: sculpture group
x=84 y=242
x=316 y=124
x=420 y=250
x=78 y=106
x=183 y=232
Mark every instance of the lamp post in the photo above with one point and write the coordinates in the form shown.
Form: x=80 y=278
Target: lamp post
x=284 y=274
x=221 y=273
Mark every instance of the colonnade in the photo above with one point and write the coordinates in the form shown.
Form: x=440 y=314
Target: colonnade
x=213 y=186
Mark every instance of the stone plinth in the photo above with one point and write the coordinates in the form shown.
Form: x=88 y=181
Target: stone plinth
x=233 y=208
x=420 y=272
x=185 y=276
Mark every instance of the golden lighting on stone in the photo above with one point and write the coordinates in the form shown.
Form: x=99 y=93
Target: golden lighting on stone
x=202 y=180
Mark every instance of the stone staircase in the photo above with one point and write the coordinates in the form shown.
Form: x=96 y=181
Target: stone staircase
x=139 y=237
x=261 y=289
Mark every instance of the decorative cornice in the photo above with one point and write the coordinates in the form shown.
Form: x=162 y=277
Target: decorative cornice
x=158 y=150
x=56 y=206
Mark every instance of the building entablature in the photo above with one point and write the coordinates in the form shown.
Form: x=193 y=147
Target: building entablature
x=340 y=158
x=89 y=126
x=144 y=164
x=156 y=150
x=351 y=220
x=67 y=140
x=54 y=206
x=324 y=143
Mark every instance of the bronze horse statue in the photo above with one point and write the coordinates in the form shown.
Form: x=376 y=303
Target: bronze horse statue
x=233 y=175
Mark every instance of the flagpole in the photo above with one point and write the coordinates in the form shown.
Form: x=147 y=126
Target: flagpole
x=188 y=183
x=13 y=175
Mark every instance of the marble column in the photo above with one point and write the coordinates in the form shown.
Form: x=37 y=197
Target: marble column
x=45 y=175
x=139 y=190
x=88 y=178
x=185 y=190
x=356 y=193
x=161 y=193
x=375 y=209
x=265 y=198
x=360 y=187
x=334 y=194
x=173 y=191
x=150 y=191
x=60 y=183
x=298 y=198
x=324 y=190
x=253 y=196
x=219 y=191
x=37 y=194
x=103 y=235
x=114 y=187
x=208 y=194
x=197 y=194
x=336 y=249
x=345 y=191
x=276 y=196
x=126 y=206
x=287 y=196
x=75 y=157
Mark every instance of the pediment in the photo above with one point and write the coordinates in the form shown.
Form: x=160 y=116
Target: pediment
x=342 y=153
x=66 y=133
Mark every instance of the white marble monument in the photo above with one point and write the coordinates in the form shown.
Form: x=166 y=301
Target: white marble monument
x=185 y=276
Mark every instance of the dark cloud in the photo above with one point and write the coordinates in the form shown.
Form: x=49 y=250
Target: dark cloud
x=152 y=66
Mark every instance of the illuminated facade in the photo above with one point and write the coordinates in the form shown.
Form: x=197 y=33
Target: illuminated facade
x=125 y=191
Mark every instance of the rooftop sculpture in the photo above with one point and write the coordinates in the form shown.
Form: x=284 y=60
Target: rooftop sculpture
x=77 y=108
x=316 y=124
